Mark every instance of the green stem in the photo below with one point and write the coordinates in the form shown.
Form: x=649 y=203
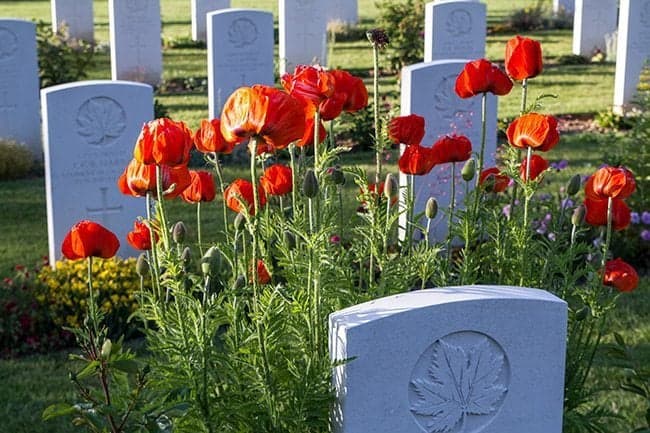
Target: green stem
x=387 y=226
x=608 y=233
x=92 y=305
x=522 y=110
x=310 y=203
x=316 y=141
x=161 y=207
x=375 y=89
x=452 y=206
x=154 y=250
x=341 y=225
x=409 y=211
x=218 y=171
x=294 y=176
x=198 y=227
x=527 y=195
x=481 y=156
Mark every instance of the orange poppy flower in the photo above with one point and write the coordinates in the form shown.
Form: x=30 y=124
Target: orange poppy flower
x=407 y=130
x=523 y=58
x=89 y=239
x=452 y=148
x=621 y=275
x=416 y=160
x=493 y=179
x=140 y=237
x=208 y=138
x=310 y=84
x=307 y=139
x=239 y=196
x=350 y=95
x=139 y=178
x=538 y=165
x=277 y=180
x=482 y=76
x=201 y=187
x=265 y=113
x=260 y=271
x=163 y=141
x=534 y=130
x=614 y=182
x=596 y=213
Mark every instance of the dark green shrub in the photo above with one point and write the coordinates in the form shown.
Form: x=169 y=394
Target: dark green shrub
x=16 y=161
x=61 y=59
x=403 y=22
x=528 y=18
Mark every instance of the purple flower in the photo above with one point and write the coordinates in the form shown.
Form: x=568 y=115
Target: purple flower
x=645 y=235
x=544 y=197
x=567 y=203
x=645 y=218
x=335 y=239
x=635 y=218
x=506 y=211
x=560 y=165
x=551 y=237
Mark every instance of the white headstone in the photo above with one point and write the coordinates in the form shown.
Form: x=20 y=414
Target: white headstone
x=450 y=360
x=428 y=91
x=200 y=9
x=136 y=49
x=454 y=29
x=77 y=15
x=89 y=130
x=344 y=11
x=566 y=6
x=19 y=115
x=303 y=33
x=592 y=21
x=633 y=49
x=240 y=53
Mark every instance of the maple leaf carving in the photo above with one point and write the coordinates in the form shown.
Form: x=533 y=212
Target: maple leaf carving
x=459 y=382
x=101 y=120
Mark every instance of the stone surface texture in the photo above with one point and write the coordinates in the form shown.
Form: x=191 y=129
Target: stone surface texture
x=77 y=15
x=592 y=21
x=199 y=10
x=454 y=29
x=303 y=33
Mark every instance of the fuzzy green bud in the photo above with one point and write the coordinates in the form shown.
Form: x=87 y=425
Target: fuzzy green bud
x=337 y=176
x=431 y=208
x=573 y=186
x=240 y=282
x=310 y=184
x=578 y=215
x=390 y=186
x=469 y=170
x=142 y=266
x=289 y=239
x=211 y=261
x=186 y=256
x=178 y=232
x=106 y=349
x=582 y=313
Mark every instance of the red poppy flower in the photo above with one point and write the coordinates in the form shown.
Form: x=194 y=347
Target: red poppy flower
x=596 y=213
x=139 y=178
x=452 y=148
x=208 y=138
x=534 y=130
x=261 y=272
x=307 y=139
x=277 y=180
x=620 y=275
x=538 y=165
x=494 y=179
x=350 y=94
x=163 y=141
x=263 y=112
x=201 y=187
x=614 y=182
x=239 y=196
x=406 y=129
x=417 y=160
x=310 y=84
x=523 y=58
x=89 y=239
x=482 y=76
x=140 y=237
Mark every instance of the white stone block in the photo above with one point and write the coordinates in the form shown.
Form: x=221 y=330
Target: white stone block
x=200 y=9
x=592 y=21
x=303 y=33
x=454 y=30
x=77 y=15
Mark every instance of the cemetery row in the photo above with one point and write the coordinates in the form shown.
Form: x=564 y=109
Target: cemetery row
x=88 y=127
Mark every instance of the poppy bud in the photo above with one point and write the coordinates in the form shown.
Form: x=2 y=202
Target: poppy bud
x=431 y=209
x=240 y=282
x=578 y=215
x=390 y=186
x=106 y=349
x=310 y=184
x=239 y=221
x=211 y=261
x=142 y=266
x=582 y=313
x=377 y=37
x=289 y=239
x=337 y=176
x=186 y=256
x=469 y=170
x=178 y=232
x=573 y=186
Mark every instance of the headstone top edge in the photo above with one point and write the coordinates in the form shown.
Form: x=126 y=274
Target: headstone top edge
x=19 y=21
x=235 y=10
x=423 y=65
x=395 y=304
x=88 y=83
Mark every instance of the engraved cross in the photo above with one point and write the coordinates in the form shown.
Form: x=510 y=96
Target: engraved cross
x=105 y=209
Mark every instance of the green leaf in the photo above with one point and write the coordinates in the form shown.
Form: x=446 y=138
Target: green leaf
x=88 y=370
x=58 y=409
x=126 y=365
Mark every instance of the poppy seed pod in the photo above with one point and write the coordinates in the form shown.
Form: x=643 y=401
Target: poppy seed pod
x=310 y=184
x=469 y=170
x=178 y=232
x=211 y=261
x=390 y=186
x=378 y=37
x=431 y=208
x=142 y=266
x=573 y=186
x=578 y=215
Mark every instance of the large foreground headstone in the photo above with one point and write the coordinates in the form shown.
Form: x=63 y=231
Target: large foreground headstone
x=240 y=53
x=428 y=91
x=450 y=360
x=200 y=9
x=19 y=114
x=77 y=15
x=303 y=33
x=344 y=11
x=454 y=29
x=136 y=52
x=592 y=21
x=89 y=131
x=633 y=49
